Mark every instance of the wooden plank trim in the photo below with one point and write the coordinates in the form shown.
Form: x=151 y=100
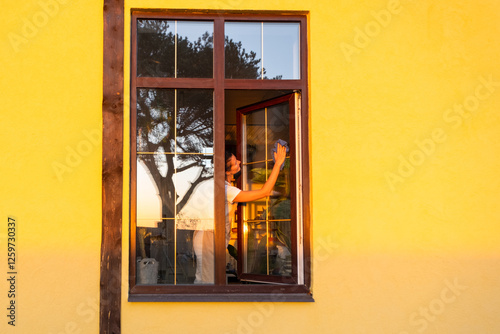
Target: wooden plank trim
x=112 y=168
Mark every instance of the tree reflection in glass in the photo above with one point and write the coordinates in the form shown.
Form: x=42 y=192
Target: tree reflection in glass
x=271 y=48
x=175 y=144
x=157 y=42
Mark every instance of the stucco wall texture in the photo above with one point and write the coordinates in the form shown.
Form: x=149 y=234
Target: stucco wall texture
x=404 y=141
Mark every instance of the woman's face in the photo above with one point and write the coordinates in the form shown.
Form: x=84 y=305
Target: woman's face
x=234 y=165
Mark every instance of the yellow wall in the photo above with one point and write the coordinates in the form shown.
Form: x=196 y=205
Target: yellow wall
x=404 y=179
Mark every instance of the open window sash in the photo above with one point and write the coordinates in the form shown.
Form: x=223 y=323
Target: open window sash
x=269 y=229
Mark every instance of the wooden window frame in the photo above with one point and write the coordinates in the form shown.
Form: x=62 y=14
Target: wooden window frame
x=220 y=291
x=240 y=113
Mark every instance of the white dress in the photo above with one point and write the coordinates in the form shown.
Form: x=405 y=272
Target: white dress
x=203 y=241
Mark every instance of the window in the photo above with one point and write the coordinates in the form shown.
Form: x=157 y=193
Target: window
x=268 y=225
x=203 y=84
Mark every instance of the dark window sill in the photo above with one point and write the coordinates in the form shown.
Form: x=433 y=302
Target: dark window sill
x=221 y=293
x=233 y=297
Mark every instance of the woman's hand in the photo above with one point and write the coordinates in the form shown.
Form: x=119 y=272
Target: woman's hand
x=280 y=155
x=253 y=195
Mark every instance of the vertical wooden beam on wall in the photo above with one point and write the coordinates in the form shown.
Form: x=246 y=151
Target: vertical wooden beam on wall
x=112 y=168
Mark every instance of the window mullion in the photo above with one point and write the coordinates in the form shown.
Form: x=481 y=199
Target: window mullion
x=262 y=50
x=219 y=202
x=175 y=49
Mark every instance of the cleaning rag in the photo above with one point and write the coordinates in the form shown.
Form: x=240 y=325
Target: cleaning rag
x=275 y=149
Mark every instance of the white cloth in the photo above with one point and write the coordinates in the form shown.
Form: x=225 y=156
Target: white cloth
x=231 y=193
x=203 y=241
x=203 y=244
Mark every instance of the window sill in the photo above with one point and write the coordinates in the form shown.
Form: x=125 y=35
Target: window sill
x=221 y=293
x=233 y=297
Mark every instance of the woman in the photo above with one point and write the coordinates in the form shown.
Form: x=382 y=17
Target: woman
x=203 y=240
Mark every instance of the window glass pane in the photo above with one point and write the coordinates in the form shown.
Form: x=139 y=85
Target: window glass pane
x=254 y=177
x=155 y=253
x=163 y=129
x=267 y=230
x=278 y=125
x=262 y=50
x=195 y=219
x=203 y=247
x=255 y=136
x=155 y=120
x=157 y=45
x=281 y=51
x=194 y=49
x=154 y=201
x=243 y=50
x=195 y=121
x=254 y=219
x=256 y=262
x=175 y=240
x=279 y=248
x=175 y=191
x=155 y=48
x=169 y=254
x=194 y=186
x=279 y=204
x=185 y=266
x=269 y=248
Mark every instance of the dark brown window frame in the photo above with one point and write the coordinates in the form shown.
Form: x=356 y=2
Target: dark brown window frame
x=220 y=291
x=240 y=112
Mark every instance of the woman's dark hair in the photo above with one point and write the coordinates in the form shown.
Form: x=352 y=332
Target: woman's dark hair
x=228 y=156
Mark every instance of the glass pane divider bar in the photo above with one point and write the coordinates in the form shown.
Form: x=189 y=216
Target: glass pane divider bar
x=262 y=50
x=175 y=153
x=175 y=165
x=179 y=83
x=175 y=50
x=174 y=219
x=260 y=161
x=269 y=220
x=267 y=174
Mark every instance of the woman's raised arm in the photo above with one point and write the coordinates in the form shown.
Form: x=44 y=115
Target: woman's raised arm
x=252 y=195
